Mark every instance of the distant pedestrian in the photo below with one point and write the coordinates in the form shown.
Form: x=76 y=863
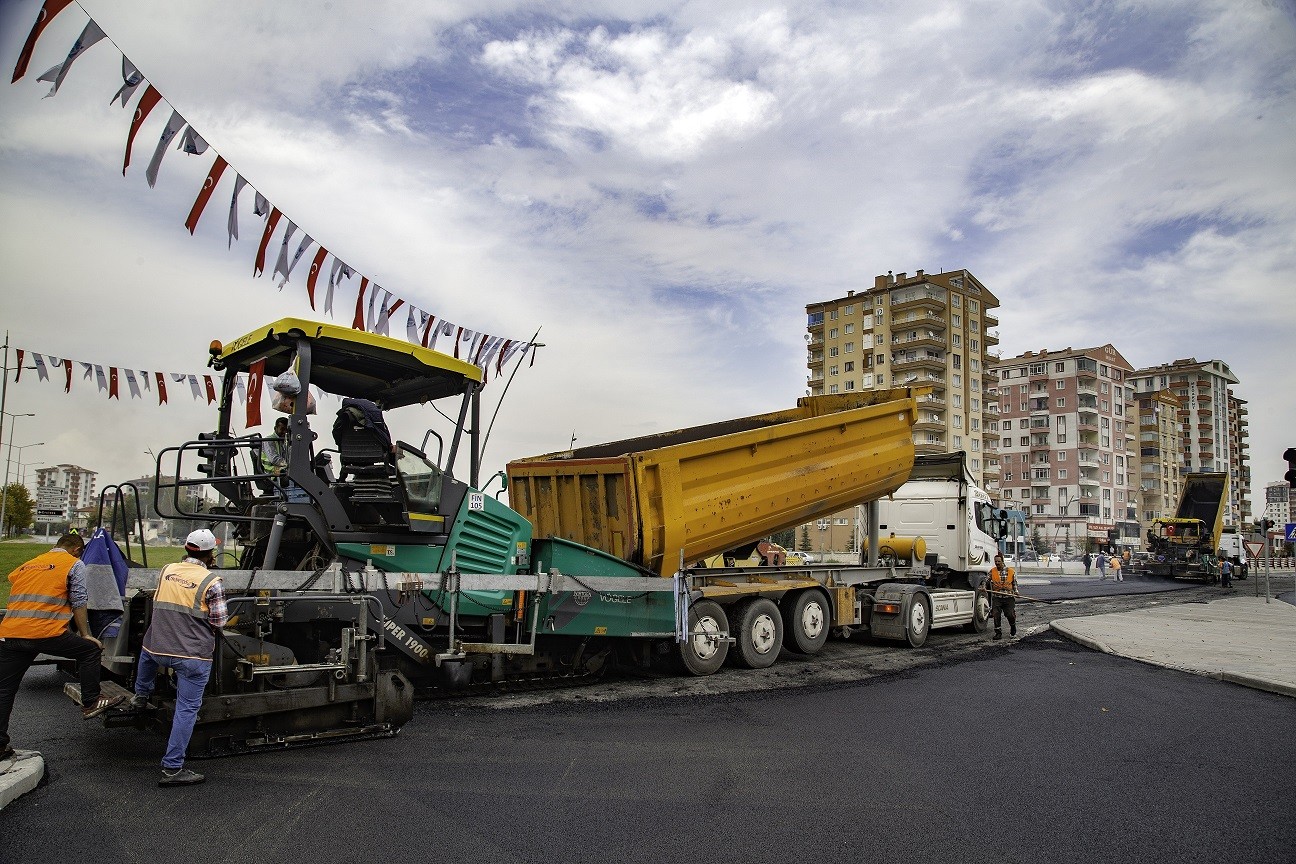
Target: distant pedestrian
x=1102 y=565
x=1115 y=564
x=1226 y=572
x=1088 y=560
x=1003 y=596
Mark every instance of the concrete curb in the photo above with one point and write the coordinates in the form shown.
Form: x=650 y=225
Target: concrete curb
x=1080 y=639
x=19 y=774
x=1279 y=687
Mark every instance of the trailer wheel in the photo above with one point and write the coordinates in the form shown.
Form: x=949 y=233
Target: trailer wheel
x=758 y=631
x=980 y=622
x=703 y=652
x=919 y=620
x=806 y=621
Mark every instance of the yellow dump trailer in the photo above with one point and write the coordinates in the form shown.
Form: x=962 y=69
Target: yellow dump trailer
x=703 y=490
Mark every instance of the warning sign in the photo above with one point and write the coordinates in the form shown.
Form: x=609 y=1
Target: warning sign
x=1254 y=548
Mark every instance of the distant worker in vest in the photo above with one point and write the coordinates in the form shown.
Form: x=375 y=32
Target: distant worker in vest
x=1225 y=571
x=47 y=594
x=274 y=450
x=1102 y=564
x=1115 y=564
x=188 y=610
x=1003 y=596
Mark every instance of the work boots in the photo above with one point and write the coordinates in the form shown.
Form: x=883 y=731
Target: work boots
x=998 y=635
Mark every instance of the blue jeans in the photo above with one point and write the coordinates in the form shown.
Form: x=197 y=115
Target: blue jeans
x=191 y=681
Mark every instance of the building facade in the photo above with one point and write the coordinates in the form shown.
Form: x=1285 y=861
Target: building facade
x=1213 y=423
x=1279 y=501
x=1067 y=449
x=1160 y=445
x=80 y=483
x=934 y=330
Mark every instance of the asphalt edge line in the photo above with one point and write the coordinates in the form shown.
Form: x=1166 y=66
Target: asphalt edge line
x=1279 y=687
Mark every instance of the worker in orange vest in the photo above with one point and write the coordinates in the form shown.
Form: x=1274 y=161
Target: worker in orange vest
x=1003 y=596
x=47 y=594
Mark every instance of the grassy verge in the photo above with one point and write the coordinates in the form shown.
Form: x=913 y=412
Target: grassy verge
x=15 y=553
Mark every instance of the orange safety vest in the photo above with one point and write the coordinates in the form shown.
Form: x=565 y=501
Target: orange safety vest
x=999 y=582
x=39 y=607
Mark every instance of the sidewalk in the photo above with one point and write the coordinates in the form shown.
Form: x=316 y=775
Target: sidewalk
x=1239 y=639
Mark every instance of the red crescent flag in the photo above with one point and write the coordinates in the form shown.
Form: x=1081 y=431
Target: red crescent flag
x=256 y=372
x=67 y=372
x=357 y=323
x=314 y=274
x=142 y=108
x=20 y=359
x=211 y=389
x=391 y=310
x=259 y=267
x=161 y=379
x=427 y=328
x=209 y=186
x=47 y=13
x=112 y=383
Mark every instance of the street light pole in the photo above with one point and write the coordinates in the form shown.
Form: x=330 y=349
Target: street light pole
x=4 y=496
x=13 y=419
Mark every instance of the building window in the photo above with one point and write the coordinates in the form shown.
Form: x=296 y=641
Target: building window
x=849 y=310
x=832 y=333
x=832 y=314
x=832 y=370
x=1061 y=402
x=1062 y=473
x=958 y=441
x=850 y=366
x=850 y=385
x=832 y=352
x=956 y=320
x=1037 y=368
x=832 y=388
x=850 y=347
x=1059 y=367
x=850 y=328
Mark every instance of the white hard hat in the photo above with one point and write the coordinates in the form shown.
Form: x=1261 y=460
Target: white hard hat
x=201 y=540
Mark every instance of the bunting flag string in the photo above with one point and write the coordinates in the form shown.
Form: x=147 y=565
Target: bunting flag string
x=373 y=316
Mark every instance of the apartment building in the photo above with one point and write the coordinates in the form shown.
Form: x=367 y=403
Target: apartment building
x=80 y=483
x=928 y=329
x=1067 y=448
x=1280 y=503
x=1160 y=445
x=1213 y=423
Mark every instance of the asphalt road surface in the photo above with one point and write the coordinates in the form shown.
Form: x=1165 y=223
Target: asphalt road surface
x=1031 y=750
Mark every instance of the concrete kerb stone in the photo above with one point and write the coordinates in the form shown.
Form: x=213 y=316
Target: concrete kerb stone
x=20 y=773
x=1061 y=628
x=1282 y=688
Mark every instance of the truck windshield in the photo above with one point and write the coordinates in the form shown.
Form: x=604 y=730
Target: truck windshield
x=988 y=521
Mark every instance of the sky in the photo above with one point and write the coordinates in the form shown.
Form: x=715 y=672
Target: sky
x=659 y=187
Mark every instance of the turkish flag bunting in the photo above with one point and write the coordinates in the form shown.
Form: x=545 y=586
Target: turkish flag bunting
x=256 y=372
x=47 y=13
x=112 y=383
x=211 y=389
x=150 y=98
x=67 y=371
x=314 y=274
x=161 y=382
x=259 y=267
x=357 y=323
x=209 y=186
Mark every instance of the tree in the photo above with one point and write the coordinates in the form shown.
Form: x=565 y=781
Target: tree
x=19 y=508
x=1037 y=540
x=804 y=544
x=785 y=538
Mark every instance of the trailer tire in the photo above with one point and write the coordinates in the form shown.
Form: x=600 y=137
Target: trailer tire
x=807 y=618
x=918 y=620
x=704 y=651
x=980 y=622
x=758 y=633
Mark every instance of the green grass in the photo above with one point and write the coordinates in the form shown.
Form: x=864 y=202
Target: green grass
x=14 y=553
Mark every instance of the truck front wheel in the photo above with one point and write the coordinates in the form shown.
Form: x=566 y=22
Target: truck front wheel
x=980 y=622
x=919 y=620
x=758 y=633
x=704 y=651
x=806 y=621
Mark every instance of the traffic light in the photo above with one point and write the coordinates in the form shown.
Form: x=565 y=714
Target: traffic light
x=1290 y=455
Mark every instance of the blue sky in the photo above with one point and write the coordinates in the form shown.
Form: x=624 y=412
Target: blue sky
x=662 y=187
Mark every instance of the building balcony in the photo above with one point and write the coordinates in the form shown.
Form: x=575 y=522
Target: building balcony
x=990 y=320
x=920 y=318
x=1087 y=426
x=1087 y=388
x=929 y=424
x=931 y=340
x=922 y=301
x=926 y=448
x=931 y=402
x=920 y=363
x=992 y=339
x=815 y=362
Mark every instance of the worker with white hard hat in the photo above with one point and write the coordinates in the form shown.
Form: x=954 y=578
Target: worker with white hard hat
x=188 y=610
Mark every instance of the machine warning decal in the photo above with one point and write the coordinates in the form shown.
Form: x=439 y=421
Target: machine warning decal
x=476 y=501
x=382 y=550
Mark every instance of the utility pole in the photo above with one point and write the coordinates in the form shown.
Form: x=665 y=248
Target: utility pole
x=4 y=389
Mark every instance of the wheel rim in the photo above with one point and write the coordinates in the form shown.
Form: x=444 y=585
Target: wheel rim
x=982 y=607
x=706 y=641
x=917 y=617
x=764 y=633
x=812 y=620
